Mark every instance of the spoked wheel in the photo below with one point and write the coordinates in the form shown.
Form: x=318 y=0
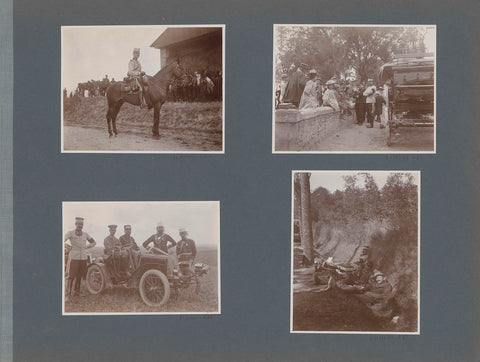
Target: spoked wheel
x=95 y=279
x=154 y=288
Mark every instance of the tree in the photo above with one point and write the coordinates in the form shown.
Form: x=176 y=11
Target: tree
x=305 y=219
x=335 y=51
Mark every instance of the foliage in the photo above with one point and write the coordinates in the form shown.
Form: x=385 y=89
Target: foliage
x=341 y=51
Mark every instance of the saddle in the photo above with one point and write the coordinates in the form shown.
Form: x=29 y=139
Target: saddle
x=129 y=85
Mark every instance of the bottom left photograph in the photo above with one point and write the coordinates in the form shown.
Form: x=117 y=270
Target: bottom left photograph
x=157 y=257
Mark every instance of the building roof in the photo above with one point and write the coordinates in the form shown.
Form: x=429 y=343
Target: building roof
x=176 y=35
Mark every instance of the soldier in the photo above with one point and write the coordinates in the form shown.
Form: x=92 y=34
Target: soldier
x=186 y=245
x=78 y=256
x=160 y=240
x=135 y=71
x=111 y=243
x=370 y=102
x=127 y=240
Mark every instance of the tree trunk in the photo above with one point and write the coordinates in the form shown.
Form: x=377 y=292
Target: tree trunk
x=306 y=221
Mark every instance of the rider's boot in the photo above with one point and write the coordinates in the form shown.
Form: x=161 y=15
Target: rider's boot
x=143 y=105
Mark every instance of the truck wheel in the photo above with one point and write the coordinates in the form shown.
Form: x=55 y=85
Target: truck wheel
x=154 y=288
x=95 y=279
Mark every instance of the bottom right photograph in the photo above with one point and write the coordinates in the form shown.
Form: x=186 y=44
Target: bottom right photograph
x=355 y=252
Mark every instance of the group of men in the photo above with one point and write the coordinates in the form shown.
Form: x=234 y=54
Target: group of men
x=303 y=89
x=80 y=241
x=369 y=102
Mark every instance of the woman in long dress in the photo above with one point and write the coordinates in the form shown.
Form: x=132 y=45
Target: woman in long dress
x=309 y=95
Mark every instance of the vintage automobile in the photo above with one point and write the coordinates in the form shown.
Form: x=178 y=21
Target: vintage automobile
x=410 y=79
x=155 y=274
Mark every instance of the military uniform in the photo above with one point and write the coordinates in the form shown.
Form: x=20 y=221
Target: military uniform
x=186 y=246
x=160 y=241
x=134 y=68
x=77 y=257
x=111 y=243
x=128 y=241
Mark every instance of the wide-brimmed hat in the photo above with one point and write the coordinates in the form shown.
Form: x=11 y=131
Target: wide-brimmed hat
x=312 y=71
x=370 y=80
x=330 y=82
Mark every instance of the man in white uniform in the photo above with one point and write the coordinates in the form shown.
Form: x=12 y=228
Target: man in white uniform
x=78 y=256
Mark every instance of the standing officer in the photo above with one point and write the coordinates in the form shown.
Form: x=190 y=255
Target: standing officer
x=160 y=240
x=186 y=245
x=370 y=102
x=111 y=243
x=135 y=71
x=78 y=256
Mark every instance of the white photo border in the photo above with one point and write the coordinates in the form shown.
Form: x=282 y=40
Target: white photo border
x=222 y=26
x=219 y=294
x=417 y=172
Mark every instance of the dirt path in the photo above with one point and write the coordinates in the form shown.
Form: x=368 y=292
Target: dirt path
x=78 y=138
x=359 y=138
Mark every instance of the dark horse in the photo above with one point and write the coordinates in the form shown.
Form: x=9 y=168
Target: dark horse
x=155 y=95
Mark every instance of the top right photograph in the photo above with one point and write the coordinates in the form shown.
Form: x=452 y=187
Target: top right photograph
x=354 y=89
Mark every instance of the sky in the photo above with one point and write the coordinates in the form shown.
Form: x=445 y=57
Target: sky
x=91 y=52
x=201 y=219
x=332 y=180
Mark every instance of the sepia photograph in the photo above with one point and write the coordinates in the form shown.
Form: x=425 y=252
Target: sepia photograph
x=354 y=89
x=141 y=257
x=355 y=264
x=143 y=89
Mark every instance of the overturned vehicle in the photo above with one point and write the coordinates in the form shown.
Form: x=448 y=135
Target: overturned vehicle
x=155 y=274
x=360 y=279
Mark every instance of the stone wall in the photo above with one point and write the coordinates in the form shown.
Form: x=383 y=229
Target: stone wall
x=302 y=130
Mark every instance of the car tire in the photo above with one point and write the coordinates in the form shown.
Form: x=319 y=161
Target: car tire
x=95 y=279
x=154 y=288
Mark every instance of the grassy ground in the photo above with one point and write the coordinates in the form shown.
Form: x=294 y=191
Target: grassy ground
x=205 y=117
x=123 y=300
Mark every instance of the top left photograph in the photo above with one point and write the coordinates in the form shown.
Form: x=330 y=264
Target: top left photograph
x=143 y=89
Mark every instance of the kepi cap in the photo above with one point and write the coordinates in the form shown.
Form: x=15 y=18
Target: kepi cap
x=160 y=224
x=79 y=219
x=112 y=226
x=136 y=50
x=127 y=226
x=182 y=230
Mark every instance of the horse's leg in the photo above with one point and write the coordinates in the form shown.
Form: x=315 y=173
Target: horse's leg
x=156 y=119
x=114 y=118
x=109 y=120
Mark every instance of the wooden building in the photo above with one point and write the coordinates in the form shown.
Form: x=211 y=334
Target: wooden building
x=197 y=48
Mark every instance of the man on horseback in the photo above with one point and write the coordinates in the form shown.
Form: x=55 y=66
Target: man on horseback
x=135 y=72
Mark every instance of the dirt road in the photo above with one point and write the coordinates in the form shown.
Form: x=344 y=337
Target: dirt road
x=80 y=138
x=356 y=138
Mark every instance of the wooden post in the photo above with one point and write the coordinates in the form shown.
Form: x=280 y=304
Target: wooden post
x=305 y=219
